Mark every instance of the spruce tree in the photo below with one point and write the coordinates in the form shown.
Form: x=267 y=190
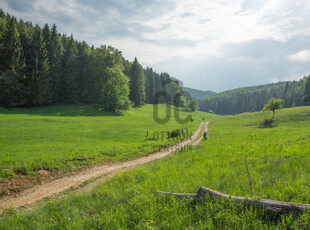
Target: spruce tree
x=95 y=75
x=69 y=78
x=54 y=52
x=41 y=82
x=2 y=23
x=12 y=81
x=25 y=33
x=150 y=85
x=47 y=36
x=137 y=84
x=3 y=28
x=82 y=59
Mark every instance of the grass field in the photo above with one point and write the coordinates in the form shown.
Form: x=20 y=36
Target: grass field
x=54 y=137
x=278 y=159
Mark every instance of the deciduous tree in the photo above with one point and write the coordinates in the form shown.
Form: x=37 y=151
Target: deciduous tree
x=273 y=105
x=193 y=104
x=115 y=90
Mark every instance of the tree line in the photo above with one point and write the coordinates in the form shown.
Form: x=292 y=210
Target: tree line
x=40 y=66
x=250 y=99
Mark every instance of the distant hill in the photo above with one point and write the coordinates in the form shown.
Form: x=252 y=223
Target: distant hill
x=199 y=94
x=253 y=98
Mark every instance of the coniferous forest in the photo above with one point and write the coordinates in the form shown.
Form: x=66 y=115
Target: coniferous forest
x=254 y=98
x=40 y=66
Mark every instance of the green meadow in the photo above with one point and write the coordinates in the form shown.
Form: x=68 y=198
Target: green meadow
x=239 y=157
x=54 y=137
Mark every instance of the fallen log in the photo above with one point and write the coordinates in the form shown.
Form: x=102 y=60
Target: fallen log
x=271 y=205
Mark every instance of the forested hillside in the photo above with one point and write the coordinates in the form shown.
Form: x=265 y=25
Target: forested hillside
x=199 y=94
x=254 y=98
x=39 y=66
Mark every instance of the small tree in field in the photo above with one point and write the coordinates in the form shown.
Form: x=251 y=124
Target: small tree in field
x=193 y=104
x=273 y=105
x=306 y=97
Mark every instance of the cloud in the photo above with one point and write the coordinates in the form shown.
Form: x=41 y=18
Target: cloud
x=246 y=63
x=206 y=43
x=20 y=6
x=302 y=56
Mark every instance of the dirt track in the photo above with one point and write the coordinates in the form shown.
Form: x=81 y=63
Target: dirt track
x=36 y=193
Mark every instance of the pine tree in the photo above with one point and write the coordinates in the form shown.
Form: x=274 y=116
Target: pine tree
x=95 y=75
x=41 y=82
x=54 y=51
x=12 y=81
x=26 y=36
x=69 y=78
x=82 y=58
x=137 y=84
x=150 y=85
x=2 y=23
x=47 y=36
x=3 y=28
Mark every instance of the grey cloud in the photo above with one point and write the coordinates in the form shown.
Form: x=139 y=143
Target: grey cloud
x=20 y=6
x=117 y=18
x=95 y=19
x=205 y=20
x=188 y=14
x=177 y=43
x=132 y=9
x=266 y=48
x=219 y=74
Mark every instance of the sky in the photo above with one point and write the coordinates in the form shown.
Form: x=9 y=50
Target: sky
x=208 y=44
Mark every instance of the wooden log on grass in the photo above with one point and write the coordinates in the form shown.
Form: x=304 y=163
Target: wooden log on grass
x=271 y=205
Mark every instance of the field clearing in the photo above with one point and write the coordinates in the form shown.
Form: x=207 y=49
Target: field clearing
x=278 y=159
x=58 y=137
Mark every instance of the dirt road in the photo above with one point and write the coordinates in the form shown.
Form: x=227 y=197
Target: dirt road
x=34 y=194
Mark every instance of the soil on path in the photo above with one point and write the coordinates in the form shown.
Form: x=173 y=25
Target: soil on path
x=100 y=173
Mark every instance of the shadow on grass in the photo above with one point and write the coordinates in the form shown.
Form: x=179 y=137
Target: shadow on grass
x=268 y=123
x=267 y=126
x=61 y=110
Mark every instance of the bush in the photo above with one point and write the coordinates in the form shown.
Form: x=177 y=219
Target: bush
x=204 y=135
x=174 y=133
x=267 y=121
